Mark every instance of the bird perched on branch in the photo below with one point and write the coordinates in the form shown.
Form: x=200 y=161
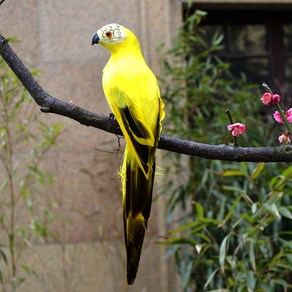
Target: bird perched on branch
x=132 y=92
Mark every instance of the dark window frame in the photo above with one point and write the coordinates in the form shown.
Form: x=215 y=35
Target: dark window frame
x=274 y=20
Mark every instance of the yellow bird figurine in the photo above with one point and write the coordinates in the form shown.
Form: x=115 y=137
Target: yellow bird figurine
x=132 y=92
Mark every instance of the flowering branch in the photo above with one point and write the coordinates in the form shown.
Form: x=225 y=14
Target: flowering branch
x=49 y=104
x=280 y=116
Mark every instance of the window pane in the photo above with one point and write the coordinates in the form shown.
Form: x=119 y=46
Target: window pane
x=288 y=73
x=288 y=38
x=247 y=39
x=256 y=70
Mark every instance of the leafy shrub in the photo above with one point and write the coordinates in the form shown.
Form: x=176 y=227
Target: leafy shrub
x=235 y=218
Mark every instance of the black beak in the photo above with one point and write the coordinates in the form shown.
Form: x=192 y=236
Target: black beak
x=95 y=39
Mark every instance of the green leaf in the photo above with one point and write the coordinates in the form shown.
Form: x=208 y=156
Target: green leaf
x=247 y=217
x=250 y=281
x=211 y=221
x=275 y=260
x=204 y=237
x=278 y=183
x=285 y=212
x=234 y=172
x=200 y=210
x=287 y=173
x=223 y=251
x=217 y=39
x=220 y=290
x=254 y=208
x=286 y=243
x=252 y=256
x=184 y=227
x=272 y=208
x=201 y=13
x=181 y=240
x=210 y=278
x=257 y=171
x=244 y=166
x=281 y=282
x=234 y=205
x=232 y=188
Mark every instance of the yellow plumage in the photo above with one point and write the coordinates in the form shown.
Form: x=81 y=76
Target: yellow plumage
x=133 y=95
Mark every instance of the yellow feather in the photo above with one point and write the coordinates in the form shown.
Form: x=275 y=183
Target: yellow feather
x=132 y=92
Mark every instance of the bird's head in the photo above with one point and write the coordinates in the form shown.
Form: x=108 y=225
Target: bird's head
x=114 y=36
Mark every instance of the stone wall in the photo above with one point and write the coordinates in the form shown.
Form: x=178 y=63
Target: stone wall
x=55 y=38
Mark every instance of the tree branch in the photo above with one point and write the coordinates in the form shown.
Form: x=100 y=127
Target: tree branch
x=49 y=104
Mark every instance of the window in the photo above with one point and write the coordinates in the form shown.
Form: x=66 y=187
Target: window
x=257 y=43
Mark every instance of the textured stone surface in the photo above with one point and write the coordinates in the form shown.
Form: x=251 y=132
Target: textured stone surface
x=87 y=266
x=55 y=37
x=19 y=19
x=87 y=189
x=67 y=27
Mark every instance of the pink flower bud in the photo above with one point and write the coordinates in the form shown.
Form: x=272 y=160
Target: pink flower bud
x=237 y=129
x=267 y=98
x=71 y=102
x=275 y=99
x=285 y=138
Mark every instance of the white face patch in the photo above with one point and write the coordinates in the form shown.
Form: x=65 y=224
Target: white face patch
x=111 y=34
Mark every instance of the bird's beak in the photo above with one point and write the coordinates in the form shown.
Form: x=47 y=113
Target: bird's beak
x=95 y=39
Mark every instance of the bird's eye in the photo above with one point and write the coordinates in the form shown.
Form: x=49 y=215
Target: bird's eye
x=108 y=34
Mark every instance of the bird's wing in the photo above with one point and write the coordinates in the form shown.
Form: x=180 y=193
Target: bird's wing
x=135 y=127
x=137 y=110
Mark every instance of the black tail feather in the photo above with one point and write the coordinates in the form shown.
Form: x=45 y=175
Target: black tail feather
x=136 y=205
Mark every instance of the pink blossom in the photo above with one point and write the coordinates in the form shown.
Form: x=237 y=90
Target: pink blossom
x=288 y=114
x=266 y=98
x=269 y=98
x=71 y=102
x=278 y=117
x=285 y=138
x=237 y=129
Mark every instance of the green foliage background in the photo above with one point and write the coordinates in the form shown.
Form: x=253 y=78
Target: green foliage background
x=27 y=205
x=235 y=218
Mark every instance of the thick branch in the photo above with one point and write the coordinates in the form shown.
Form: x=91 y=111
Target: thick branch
x=49 y=104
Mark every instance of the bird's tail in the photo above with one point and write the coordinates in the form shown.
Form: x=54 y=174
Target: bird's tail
x=137 y=198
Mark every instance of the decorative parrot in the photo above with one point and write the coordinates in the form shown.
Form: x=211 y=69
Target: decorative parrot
x=132 y=92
